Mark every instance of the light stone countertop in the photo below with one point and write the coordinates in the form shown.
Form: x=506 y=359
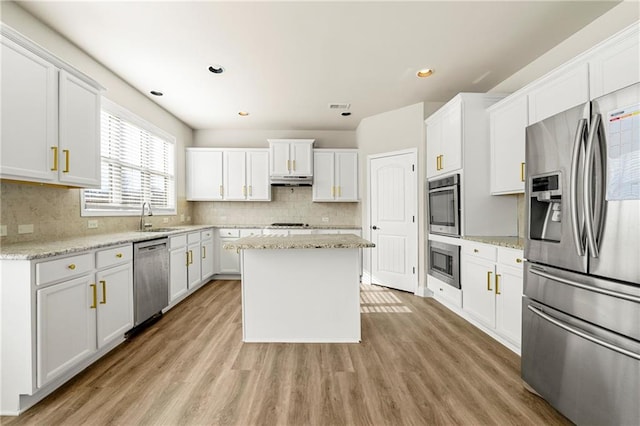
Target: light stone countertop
x=324 y=241
x=42 y=249
x=287 y=227
x=510 y=242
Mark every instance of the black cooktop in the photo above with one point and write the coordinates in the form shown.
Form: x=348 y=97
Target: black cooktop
x=300 y=225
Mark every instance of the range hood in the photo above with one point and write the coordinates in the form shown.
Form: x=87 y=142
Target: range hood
x=291 y=180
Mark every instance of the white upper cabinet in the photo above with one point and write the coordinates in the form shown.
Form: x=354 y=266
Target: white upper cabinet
x=507 y=128
x=215 y=174
x=79 y=122
x=258 y=185
x=50 y=125
x=246 y=175
x=291 y=157
x=558 y=92
x=444 y=139
x=335 y=175
x=235 y=171
x=204 y=174
x=617 y=65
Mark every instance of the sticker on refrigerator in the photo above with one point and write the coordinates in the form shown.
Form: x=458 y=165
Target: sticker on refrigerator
x=623 y=153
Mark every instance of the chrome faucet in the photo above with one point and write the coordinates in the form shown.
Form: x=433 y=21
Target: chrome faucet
x=144 y=225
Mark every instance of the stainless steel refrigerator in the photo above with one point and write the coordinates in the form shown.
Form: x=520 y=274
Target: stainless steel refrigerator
x=581 y=303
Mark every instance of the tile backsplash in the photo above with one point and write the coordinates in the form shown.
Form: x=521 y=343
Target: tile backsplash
x=288 y=204
x=54 y=213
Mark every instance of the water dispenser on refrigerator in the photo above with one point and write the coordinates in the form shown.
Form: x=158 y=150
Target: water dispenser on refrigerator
x=545 y=208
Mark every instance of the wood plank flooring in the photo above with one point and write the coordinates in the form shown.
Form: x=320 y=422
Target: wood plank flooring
x=419 y=365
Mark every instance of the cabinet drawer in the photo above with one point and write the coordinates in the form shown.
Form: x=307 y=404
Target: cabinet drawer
x=177 y=241
x=444 y=291
x=510 y=257
x=114 y=256
x=54 y=270
x=250 y=232
x=228 y=232
x=207 y=234
x=484 y=251
x=193 y=237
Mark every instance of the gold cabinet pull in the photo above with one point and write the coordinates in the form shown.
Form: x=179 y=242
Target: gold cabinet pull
x=204 y=252
x=221 y=192
x=119 y=255
x=250 y=190
x=441 y=161
x=333 y=191
x=66 y=161
x=521 y=172
x=498 y=284
x=489 y=281
x=476 y=250
x=339 y=191
x=518 y=260
x=104 y=292
x=289 y=165
x=438 y=162
x=294 y=165
x=55 y=159
x=72 y=266
x=190 y=257
x=95 y=297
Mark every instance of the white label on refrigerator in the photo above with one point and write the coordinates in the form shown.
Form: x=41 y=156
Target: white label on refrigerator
x=623 y=153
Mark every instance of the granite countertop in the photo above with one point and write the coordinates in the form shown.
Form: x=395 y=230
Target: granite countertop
x=510 y=242
x=299 y=242
x=41 y=249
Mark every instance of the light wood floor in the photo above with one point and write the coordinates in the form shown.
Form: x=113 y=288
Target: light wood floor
x=423 y=367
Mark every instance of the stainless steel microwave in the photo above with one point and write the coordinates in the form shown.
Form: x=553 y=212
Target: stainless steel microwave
x=444 y=262
x=444 y=206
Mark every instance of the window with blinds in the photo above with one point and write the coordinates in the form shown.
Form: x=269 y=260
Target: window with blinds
x=138 y=165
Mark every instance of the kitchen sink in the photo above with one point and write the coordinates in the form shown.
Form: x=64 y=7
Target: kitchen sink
x=159 y=229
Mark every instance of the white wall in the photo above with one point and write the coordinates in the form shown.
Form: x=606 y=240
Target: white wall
x=258 y=138
x=395 y=130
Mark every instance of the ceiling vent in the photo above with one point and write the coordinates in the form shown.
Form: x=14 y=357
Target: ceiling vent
x=339 y=106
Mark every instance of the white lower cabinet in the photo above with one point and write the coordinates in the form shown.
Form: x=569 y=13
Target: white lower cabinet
x=207 y=255
x=66 y=327
x=492 y=283
x=228 y=260
x=194 y=270
x=444 y=292
x=78 y=316
x=178 y=261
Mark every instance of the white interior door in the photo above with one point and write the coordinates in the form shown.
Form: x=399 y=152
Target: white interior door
x=393 y=223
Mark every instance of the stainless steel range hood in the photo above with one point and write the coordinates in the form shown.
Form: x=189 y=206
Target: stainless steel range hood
x=291 y=180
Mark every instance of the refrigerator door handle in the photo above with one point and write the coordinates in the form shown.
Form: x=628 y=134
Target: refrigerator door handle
x=592 y=211
x=572 y=283
x=583 y=334
x=577 y=223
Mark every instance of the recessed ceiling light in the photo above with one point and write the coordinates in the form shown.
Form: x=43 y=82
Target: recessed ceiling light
x=424 y=73
x=216 y=69
x=243 y=113
x=345 y=114
x=156 y=93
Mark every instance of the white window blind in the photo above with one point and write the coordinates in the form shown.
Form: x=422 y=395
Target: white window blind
x=138 y=165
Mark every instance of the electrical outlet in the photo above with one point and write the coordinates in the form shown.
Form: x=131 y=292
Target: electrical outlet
x=92 y=224
x=325 y=219
x=25 y=229
x=3 y=230
x=165 y=220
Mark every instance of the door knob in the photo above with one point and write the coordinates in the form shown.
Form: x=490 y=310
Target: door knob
x=374 y=227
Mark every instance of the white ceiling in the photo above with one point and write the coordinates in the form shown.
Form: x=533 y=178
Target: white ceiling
x=286 y=61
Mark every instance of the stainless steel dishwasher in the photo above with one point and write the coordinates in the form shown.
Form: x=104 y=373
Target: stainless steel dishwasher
x=150 y=278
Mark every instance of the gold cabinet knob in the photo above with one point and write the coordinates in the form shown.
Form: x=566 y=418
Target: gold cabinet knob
x=518 y=260
x=476 y=251
x=119 y=255
x=72 y=266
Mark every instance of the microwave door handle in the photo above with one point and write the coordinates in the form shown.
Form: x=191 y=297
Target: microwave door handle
x=587 y=193
x=577 y=222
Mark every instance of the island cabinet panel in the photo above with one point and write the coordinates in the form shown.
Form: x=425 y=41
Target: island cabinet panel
x=301 y=295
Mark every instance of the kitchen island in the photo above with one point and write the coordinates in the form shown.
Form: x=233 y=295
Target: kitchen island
x=300 y=288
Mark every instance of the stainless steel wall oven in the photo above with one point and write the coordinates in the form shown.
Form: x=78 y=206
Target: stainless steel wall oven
x=444 y=262
x=444 y=206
